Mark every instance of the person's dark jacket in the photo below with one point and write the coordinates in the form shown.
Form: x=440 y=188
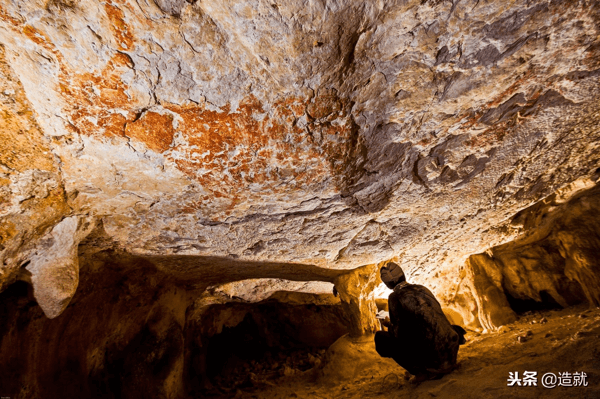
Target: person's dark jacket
x=427 y=342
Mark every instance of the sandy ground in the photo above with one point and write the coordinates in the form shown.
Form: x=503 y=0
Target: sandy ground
x=554 y=342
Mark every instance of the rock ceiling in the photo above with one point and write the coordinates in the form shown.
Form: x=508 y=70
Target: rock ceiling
x=328 y=133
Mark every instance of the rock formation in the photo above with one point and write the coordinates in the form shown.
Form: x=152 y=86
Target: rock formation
x=161 y=157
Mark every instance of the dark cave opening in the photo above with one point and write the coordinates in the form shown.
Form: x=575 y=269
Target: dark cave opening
x=523 y=305
x=271 y=339
x=234 y=347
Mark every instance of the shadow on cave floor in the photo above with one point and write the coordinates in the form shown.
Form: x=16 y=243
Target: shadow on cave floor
x=555 y=341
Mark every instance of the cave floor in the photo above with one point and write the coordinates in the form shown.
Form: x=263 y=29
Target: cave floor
x=556 y=341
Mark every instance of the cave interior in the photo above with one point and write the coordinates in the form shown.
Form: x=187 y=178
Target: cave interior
x=197 y=196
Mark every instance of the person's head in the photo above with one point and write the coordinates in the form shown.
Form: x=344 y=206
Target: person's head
x=392 y=275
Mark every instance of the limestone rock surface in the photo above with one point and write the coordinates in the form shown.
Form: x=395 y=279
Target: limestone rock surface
x=329 y=133
x=54 y=265
x=551 y=265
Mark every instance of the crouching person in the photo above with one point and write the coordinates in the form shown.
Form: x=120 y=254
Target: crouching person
x=419 y=338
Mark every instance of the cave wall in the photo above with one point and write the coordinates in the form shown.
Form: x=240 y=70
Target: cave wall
x=554 y=263
x=122 y=334
x=134 y=330
x=332 y=133
x=220 y=333
x=216 y=142
x=32 y=196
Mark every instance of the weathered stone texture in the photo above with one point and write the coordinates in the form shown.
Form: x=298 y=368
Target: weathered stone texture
x=332 y=133
x=54 y=265
x=225 y=150
x=552 y=264
x=356 y=293
x=32 y=196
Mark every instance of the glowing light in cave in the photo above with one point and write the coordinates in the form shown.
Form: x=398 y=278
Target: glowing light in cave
x=382 y=291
